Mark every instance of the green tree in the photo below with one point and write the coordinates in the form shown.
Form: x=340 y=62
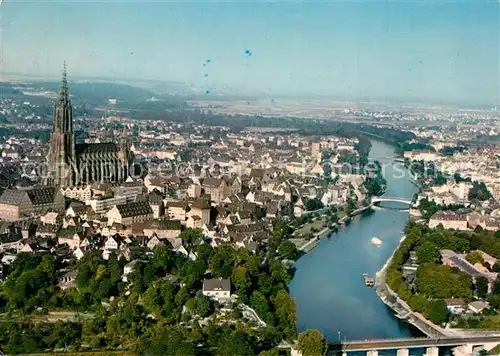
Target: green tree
x=83 y=276
x=481 y=287
x=204 y=251
x=285 y=313
x=427 y=252
x=166 y=341
x=496 y=267
x=314 y=204
x=241 y=281
x=204 y=306
x=238 y=343
x=192 y=270
x=288 y=251
x=271 y=352
x=437 y=312
x=259 y=304
x=191 y=236
x=440 y=281
x=221 y=262
x=496 y=286
x=163 y=259
x=312 y=343
x=474 y=257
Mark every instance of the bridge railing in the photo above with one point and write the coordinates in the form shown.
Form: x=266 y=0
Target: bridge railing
x=353 y=342
x=395 y=199
x=443 y=339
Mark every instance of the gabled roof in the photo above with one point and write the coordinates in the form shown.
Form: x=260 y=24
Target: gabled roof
x=36 y=196
x=155 y=197
x=217 y=284
x=177 y=204
x=212 y=182
x=134 y=209
x=200 y=204
x=163 y=224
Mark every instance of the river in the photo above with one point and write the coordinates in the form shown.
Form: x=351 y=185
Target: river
x=328 y=286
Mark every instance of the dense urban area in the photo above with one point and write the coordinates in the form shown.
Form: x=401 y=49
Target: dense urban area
x=136 y=223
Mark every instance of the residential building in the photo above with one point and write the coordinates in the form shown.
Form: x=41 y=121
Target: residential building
x=176 y=210
x=202 y=209
x=449 y=220
x=478 y=306
x=194 y=222
x=127 y=214
x=218 y=289
x=456 y=305
x=164 y=229
x=68 y=280
x=16 y=204
x=102 y=204
x=216 y=188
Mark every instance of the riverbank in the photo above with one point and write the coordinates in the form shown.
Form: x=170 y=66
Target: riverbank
x=340 y=303
x=310 y=244
x=400 y=308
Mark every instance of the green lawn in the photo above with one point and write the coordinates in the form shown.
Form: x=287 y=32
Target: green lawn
x=306 y=229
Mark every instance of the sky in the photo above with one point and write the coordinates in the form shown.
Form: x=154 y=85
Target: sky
x=445 y=50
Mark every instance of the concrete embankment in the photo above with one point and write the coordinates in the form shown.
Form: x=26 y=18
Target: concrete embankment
x=309 y=245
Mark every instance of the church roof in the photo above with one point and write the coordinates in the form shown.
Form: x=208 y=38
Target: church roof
x=82 y=148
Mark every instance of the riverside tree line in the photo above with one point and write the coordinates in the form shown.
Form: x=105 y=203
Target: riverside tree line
x=435 y=282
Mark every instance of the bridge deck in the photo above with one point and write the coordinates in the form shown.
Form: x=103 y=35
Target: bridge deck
x=384 y=198
x=392 y=344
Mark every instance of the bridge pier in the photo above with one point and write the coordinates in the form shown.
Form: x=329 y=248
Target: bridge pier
x=463 y=350
x=432 y=351
x=372 y=353
x=488 y=346
x=403 y=352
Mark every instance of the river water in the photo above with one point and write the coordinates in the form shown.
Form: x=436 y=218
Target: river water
x=328 y=286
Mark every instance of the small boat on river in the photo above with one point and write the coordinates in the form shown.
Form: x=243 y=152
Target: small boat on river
x=376 y=241
x=368 y=280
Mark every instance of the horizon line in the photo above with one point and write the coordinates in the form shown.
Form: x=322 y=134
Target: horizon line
x=454 y=102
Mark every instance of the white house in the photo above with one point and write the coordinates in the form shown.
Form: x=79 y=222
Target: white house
x=78 y=253
x=218 y=289
x=194 y=222
x=456 y=305
x=478 y=306
x=153 y=242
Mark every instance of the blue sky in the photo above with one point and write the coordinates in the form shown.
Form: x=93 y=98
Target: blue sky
x=409 y=49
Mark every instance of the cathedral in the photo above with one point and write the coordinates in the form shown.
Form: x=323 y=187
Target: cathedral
x=72 y=164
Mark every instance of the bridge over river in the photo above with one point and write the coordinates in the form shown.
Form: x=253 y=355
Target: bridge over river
x=463 y=344
x=330 y=293
x=383 y=198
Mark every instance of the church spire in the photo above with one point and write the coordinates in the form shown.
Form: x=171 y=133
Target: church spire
x=64 y=97
x=63 y=118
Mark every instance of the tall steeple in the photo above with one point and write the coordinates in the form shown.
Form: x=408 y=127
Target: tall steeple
x=63 y=112
x=64 y=93
x=61 y=157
